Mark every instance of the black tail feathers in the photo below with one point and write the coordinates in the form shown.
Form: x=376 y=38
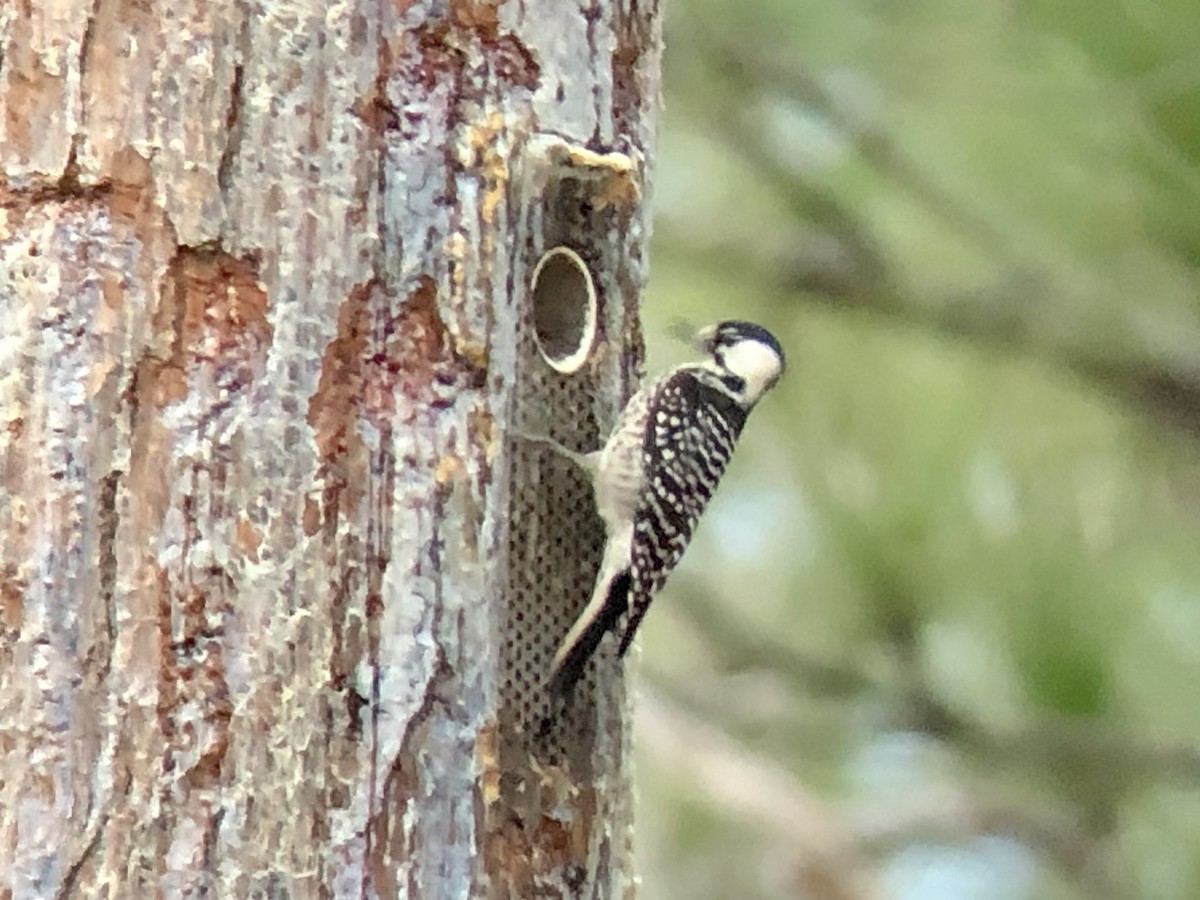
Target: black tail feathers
x=568 y=673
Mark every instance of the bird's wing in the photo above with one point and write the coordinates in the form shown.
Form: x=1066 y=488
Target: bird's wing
x=689 y=438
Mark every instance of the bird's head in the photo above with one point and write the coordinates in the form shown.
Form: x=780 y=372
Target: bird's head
x=747 y=356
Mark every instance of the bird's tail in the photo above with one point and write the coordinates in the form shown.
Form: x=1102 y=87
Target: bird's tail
x=609 y=603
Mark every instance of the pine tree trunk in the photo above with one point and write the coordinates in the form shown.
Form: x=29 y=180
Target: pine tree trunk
x=278 y=589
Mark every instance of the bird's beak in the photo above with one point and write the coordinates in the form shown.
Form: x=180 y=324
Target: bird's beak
x=705 y=337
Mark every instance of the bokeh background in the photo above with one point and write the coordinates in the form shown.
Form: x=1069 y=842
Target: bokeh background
x=940 y=635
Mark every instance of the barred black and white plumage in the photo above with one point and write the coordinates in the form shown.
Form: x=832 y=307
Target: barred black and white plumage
x=690 y=435
x=655 y=475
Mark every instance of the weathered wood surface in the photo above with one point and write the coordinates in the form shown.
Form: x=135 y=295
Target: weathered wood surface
x=262 y=280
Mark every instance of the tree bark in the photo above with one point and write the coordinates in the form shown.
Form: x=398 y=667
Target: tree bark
x=278 y=592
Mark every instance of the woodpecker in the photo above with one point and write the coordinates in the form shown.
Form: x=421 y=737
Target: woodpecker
x=654 y=476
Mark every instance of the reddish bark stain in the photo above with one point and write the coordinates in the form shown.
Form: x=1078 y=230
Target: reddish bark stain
x=332 y=409
x=390 y=839
x=509 y=60
x=112 y=291
x=311 y=517
x=192 y=676
x=480 y=17
x=635 y=38
x=12 y=599
x=389 y=844
x=207 y=689
x=415 y=356
x=224 y=306
x=29 y=89
x=429 y=58
x=373 y=606
x=513 y=63
x=527 y=858
x=213 y=312
x=424 y=79
x=378 y=355
x=168 y=668
x=246 y=538
x=129 y=197
x=507 y=857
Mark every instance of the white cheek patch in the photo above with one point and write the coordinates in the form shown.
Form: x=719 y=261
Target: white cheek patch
x=754 y=362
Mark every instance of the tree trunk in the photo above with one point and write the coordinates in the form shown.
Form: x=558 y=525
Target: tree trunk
x=278 y=592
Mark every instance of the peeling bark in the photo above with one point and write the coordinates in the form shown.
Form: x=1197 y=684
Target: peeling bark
x=276 y=593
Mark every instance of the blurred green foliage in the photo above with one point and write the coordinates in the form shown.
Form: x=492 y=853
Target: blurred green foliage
x=970 y=515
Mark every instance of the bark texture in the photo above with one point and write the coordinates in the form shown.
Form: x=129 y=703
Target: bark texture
x=277 y=593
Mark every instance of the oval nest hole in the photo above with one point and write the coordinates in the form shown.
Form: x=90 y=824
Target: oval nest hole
x=564 y=309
